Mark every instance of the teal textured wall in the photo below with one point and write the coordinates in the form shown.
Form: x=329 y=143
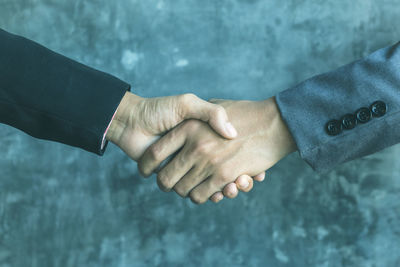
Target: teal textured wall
x=61 y=206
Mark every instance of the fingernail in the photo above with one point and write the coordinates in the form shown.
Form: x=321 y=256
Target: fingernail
x=244 y=183
x=230 y=129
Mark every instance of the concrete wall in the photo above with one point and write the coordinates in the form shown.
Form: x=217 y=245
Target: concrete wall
x=60 y=206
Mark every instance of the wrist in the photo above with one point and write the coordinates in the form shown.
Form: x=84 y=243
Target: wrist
x=283 y=139
x=123 y=117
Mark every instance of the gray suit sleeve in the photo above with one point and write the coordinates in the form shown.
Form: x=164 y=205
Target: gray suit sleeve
x=307 y=107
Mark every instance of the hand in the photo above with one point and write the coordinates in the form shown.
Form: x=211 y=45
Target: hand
x=206 y=162
x=140 y=121
x=243 y=183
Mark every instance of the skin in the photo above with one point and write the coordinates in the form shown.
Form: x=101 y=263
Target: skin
x=243 y=183
x=207 y=164
x=139 y=122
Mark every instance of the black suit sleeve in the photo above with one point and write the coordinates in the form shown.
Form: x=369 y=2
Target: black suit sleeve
x=51 y=97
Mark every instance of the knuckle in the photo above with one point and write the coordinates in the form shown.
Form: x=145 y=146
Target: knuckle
x=202 y=148
x=164 y=182
x=189 y=96
x=143 y=171
x=225 y=175
x=196 y=198
x=181 y=191
x=215 y=161
x=191 y=125
x=218 y=111
x=226 y=179
x=186 y=98
x=154 y=153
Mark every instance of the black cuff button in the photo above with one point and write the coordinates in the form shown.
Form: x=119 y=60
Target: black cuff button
x=363 y=115
x=349 y=121
x=333 y=127
x=378 y=108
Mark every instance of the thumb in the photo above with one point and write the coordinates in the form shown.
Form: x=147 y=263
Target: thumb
x=215 y=115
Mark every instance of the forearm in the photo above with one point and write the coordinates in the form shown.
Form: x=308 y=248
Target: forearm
x=55 y=98
x=308 y=107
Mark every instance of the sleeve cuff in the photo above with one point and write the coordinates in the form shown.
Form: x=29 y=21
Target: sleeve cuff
x=104 y=141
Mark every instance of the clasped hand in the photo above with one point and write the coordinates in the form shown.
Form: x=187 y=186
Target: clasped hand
x=214 y=156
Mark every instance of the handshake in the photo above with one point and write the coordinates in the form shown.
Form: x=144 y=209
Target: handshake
x=211 y=149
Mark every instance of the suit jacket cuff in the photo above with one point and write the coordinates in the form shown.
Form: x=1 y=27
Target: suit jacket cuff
x=307 y=107
x=52 y=97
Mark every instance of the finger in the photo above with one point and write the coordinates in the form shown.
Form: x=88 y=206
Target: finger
x=192 y=179
x=219 y=101
x=196 y=108
x=259 y=177
x=230 y=190
x=244 y=183
x=217 y=197
x=216 y=100
x=174 y=171
x=160 y=150
x=215 y=183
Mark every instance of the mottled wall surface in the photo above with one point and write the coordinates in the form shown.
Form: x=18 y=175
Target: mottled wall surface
x=61 y=206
